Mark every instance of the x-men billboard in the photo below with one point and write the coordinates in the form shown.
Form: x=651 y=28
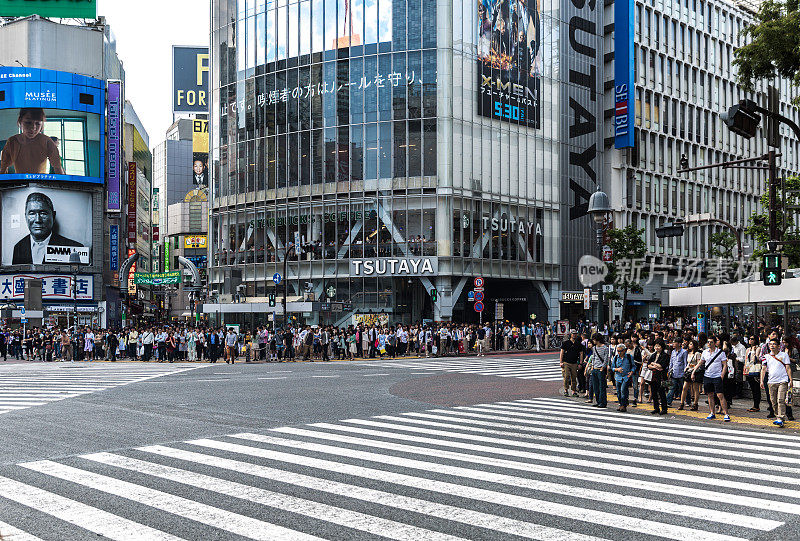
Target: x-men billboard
x=509 y=60
x=51 y=126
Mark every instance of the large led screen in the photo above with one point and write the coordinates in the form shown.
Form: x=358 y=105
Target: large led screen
x=51 y=126
x=46 y=226
x=509 y=61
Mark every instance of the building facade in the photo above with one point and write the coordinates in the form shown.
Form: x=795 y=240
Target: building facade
x=386 y=153
x=684 y=79
x=68 y=79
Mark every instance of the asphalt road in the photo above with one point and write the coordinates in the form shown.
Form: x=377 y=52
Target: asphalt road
x=426 y=449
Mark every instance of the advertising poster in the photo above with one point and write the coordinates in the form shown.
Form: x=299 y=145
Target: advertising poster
x=114 y=152
x=200 y=152
x=46 y=226
x=190 y=79
x=509 y=61
x=195 y=241
x=132 y=203
x=623 y=74
x=51 y=126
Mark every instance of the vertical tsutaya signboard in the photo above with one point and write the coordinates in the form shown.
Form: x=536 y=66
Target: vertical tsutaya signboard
x=623 y=74
x=113 y=253
x=114 y=152
x=509 y=61
x=132 y=203
x=189 y=79
x=580 y=129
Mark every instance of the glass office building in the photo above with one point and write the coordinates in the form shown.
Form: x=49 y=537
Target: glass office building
x=390 y=148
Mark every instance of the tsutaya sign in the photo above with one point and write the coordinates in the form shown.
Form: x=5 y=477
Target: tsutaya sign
x=512 y=225
x=392 y=267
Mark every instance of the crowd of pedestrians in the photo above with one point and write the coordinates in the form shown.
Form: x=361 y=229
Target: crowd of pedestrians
x=667 y=365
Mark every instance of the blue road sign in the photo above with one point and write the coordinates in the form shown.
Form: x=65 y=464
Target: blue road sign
x=277 y=278
x=470 y=296
x=479 y=306
x=479 y=295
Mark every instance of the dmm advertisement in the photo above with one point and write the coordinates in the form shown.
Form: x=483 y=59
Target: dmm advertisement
x=51 y=126
x=189 y=79
x=46 y=226
x=509 y=61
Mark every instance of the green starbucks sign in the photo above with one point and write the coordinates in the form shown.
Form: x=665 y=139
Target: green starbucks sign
x=76 y=9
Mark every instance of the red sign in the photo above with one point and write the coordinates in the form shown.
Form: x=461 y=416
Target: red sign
x=132 y=203
x=131 y=285
x=478 y=307
x=155 y=233
x=479 y=295
x=608 y=254
x=478 y=281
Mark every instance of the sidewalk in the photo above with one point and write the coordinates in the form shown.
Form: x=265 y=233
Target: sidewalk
x=738 y=413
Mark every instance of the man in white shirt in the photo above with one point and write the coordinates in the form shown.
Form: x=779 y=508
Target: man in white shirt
x=716 y=368
x=779 y=378
x=147 y=344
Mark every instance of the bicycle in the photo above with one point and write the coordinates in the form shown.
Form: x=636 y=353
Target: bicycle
x=556 y=341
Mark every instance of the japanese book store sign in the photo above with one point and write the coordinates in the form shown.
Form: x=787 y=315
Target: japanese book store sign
x=54 y=286
x=70 y=9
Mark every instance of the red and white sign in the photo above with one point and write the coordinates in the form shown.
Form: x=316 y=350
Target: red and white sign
x=478 y=282
x=479 y=295
x=132 y=203
x=608 y=254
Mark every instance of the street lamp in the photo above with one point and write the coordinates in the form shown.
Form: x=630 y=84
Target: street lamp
x=75 y=266
x=599 y=208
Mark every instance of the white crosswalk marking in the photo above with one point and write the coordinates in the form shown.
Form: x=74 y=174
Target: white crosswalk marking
x=523 y=368
x=24 y=386
x=536 y=469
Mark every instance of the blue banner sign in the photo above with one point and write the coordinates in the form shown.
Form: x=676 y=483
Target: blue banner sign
x=624 y=74
x=114 y=248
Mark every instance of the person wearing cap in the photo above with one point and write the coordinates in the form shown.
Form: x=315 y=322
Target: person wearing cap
x=622 y=367
x=572 y=352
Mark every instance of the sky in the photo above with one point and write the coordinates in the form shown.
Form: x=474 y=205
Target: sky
x=146 y=30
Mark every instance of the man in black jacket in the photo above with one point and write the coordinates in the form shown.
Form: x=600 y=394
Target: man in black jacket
x=41 y=219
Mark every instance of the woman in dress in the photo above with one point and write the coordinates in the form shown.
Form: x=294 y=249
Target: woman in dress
x=692 y=378
x=88 y=344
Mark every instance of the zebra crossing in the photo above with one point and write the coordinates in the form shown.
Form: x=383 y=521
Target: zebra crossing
x=534 y=469
x=538 y=368
x=26 y=385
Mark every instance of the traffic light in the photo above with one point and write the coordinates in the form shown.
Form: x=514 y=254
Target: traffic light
x=272 y=299
x=771 y=272
x=669 y=230
x=740 y=121
x=434 y=295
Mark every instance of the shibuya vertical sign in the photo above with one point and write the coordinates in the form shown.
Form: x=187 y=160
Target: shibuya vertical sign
x=114 y=152
x=509 y=61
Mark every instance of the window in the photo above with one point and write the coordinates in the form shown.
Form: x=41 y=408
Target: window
x=70 y=134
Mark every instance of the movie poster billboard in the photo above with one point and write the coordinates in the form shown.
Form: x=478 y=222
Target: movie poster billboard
x=51 y=126
x=46 y=226
x=509 y=61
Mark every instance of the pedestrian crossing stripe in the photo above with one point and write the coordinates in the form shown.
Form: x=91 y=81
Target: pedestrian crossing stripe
x=25 y=386
x=486 y=471
x=523 y=368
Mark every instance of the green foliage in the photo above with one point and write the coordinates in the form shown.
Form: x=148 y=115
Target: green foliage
x=722 y=245
x=759 y=223
x=628 y=246
x=772 y=45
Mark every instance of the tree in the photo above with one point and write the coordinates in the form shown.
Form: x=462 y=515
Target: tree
x=786 y=218
x=722 y=245
x=773 y=47
x=628 y=269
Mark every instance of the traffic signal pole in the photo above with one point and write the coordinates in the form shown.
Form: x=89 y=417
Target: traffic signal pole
x=774 y=234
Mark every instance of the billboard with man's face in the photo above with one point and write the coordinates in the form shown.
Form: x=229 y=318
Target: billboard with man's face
x=51 y=126
x=46 y=226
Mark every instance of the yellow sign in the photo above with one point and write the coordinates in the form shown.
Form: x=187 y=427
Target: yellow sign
x=200 y=136
x=195 y=241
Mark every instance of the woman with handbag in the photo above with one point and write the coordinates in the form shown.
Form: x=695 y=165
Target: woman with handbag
x=692 y=376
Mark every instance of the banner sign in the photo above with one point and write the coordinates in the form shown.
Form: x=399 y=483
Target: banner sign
x=54 y=286
x=190 y=67
x=394 y=267
x=131 y=202
x=157 y=278
x=623 y=74
x=114 y=153
x=113 y=255
x=166 y=254
x=63 y=254
x=195 y=241
x=65 y=9
x=509 y=61
x=131 y=272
